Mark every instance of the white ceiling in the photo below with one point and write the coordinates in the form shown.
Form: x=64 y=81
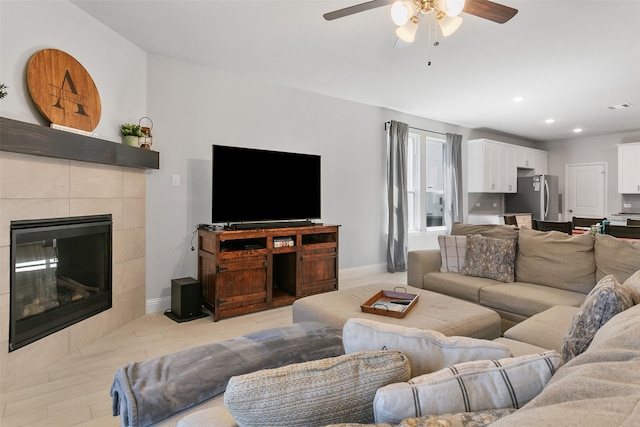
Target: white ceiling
x=571 y=59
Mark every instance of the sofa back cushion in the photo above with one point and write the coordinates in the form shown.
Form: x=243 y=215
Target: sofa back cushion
x=486 y=230
x=427 y=350
x=555 y=259
x=616 y=256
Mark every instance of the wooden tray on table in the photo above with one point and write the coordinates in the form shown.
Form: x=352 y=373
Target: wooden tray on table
x=390 y=303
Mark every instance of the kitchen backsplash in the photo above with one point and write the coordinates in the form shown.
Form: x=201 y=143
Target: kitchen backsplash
x=630 y=203
x=482 y=203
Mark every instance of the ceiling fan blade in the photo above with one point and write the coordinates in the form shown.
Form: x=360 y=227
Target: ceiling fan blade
x=340 y=13
x=489 y=10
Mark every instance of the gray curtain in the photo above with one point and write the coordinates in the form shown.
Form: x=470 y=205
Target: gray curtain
x=453 y=180
x=398 y=230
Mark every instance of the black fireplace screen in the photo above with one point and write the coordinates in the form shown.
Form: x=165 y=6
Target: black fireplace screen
x=60 y=274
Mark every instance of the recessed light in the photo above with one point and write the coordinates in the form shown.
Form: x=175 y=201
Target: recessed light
x=519 y=99
x=577 y=130
x=549 y=121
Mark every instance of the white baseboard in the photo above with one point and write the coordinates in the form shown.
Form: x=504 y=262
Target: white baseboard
x=155 y=305
x=349 y=273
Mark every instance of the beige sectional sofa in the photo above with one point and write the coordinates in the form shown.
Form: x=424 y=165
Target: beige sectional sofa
x=549 y=268
x=570 y=356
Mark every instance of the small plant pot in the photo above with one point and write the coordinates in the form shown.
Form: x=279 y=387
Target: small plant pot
x=130 y=140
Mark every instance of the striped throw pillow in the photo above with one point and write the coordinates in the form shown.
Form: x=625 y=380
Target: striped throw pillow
x=452 y=252
x=467 y=387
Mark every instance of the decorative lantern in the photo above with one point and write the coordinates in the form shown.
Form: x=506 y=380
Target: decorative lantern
x=146 y=140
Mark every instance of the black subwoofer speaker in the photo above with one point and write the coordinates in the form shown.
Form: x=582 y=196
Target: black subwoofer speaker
x=186 y=300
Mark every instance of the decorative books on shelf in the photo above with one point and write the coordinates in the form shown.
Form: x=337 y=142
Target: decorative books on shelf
x=283 y=242
x=390 y=303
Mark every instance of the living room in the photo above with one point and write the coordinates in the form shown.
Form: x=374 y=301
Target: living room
x=194 y=106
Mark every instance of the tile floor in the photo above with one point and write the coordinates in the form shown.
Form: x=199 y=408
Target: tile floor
x=75 y=391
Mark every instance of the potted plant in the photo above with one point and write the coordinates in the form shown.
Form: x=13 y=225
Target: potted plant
x=130 y=133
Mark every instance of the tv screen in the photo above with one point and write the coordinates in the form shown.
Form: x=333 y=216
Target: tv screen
x=251 y=185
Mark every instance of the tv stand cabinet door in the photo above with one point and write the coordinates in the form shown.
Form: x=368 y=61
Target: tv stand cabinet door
x=318 y=271
x=242 y=285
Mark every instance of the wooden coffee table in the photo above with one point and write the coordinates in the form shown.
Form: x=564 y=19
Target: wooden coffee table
x=434 y=311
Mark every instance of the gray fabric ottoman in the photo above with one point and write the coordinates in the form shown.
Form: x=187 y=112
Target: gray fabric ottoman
x=434 y=311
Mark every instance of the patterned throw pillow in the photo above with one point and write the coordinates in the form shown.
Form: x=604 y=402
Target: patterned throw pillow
x=468 y=387
x=605 y=300
x=452 y=253
x=632 y=285
x=490 y=258
x=317 y=393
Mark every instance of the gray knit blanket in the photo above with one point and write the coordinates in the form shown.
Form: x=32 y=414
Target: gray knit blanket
x=146 y=392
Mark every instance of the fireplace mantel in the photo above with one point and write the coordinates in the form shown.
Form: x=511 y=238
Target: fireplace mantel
x=27 y=138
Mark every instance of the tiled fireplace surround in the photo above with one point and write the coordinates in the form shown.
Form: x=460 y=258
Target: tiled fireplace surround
x=41 y=187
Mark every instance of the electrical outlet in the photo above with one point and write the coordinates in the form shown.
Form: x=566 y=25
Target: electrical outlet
x=477 y=204
x=626 y=205
x=495 y=205
x=175 y=180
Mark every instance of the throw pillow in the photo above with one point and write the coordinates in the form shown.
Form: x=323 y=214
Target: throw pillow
x=427 y=350
x=326 y=391
x=632 y=285
x=490 y=258
x=464 y=419
x=452 y=253
x=607 y=299
x=616 y=256
x=468 y=387
x=556 y=259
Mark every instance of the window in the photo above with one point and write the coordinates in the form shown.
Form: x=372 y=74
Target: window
x=425 y=182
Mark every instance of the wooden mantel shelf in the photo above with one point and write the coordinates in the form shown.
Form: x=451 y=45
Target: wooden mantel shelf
x=27 y=138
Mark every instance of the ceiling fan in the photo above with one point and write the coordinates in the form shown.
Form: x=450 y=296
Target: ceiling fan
x=406 y=13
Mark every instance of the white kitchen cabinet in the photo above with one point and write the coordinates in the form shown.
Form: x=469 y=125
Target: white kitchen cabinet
x=492 y=167
x=531 y=158
x=628 y=170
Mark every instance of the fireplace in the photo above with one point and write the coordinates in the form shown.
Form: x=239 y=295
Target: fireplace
x=60 y=274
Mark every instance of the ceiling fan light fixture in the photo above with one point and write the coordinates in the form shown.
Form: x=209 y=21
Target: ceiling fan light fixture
x=407 y=32
x=401 y=12
x=448 y=24
x=451 y=7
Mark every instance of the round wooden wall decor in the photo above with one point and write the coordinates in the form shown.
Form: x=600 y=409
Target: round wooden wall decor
x=63 y=90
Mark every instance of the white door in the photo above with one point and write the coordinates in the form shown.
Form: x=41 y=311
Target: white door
x=585 y=189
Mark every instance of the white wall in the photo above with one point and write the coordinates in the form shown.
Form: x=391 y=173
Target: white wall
x=591 y=149
x=26 y=27
x=194 y=107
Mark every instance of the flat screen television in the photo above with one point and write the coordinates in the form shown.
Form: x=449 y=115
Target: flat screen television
x=252 y=185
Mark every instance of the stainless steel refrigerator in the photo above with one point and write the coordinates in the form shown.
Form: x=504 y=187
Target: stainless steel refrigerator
x=537 y=194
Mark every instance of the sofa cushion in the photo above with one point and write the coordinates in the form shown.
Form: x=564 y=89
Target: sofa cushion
x=467 y=387
x=428 y=351
x=632 y=284
x=527 y=299
x=546 y=329
x=616 y=256
x=556 y=259
x=600 y=387
x=486 y=230
x=607 y=299
x=490 y=258
x=300 y=394
x=452 y=253
x=457 y=285
x=519 y=348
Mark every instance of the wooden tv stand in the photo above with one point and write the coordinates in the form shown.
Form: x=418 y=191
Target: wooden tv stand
x=243 y=271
